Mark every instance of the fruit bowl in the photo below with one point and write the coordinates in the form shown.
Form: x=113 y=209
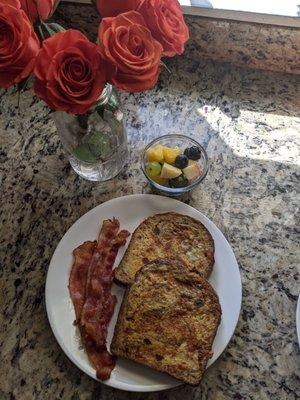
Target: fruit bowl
x=174 y=164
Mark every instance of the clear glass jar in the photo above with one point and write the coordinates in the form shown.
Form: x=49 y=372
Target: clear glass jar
x=96 y=142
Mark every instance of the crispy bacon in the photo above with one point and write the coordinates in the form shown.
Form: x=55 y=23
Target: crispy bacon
x=78 y=277
x=101 y=359
x=94 y=304
x=99 y=304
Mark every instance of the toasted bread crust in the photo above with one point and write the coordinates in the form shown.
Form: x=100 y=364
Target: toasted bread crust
x=168 y=321
x=167 y=236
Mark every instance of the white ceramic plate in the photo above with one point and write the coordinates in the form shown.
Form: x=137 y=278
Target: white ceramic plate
x=131 y=211
x=298 y=319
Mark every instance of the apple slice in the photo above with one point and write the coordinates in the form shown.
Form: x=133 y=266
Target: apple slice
x=169 y=172
x=192 y=162
x=192 y=171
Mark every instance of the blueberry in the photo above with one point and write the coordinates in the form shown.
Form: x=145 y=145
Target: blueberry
x=193 y=153
x=181 y=161
x=178 y=182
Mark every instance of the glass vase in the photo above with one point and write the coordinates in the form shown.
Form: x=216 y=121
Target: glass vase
x=96 y=142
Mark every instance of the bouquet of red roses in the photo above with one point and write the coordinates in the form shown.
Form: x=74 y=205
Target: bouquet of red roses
x=70 y=72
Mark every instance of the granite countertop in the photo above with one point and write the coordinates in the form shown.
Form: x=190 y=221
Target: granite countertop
x=247 y=122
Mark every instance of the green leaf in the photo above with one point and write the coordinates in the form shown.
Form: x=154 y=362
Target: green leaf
x=99 y=145
x=112 y=102
x=56 y=27
x=83 y=153
x=52 y=28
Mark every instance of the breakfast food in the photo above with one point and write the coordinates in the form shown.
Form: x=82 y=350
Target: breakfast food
x=168 y=320
x=168 y=236
x=156 y=154
x=193 y=152
x=191 y=171
x=78 y=277
x=169 y=172
x=153 y=168
x=170 y=313
x=90 y=290
x=181 y=161
x=170 y=154
x=168 y=163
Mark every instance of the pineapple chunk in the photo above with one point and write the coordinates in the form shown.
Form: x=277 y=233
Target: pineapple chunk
x=192 y=171
x=160 y=180
x=169 y=172
x=170 y=154
x=155 y=153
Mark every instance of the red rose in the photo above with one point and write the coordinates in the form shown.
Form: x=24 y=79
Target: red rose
x=70 y=72
x=19 y=44
x=36 y=9
x=112 y=8
x=128 y=45
x=164 y=18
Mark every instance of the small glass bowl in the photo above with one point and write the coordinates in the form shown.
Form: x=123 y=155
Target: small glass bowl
x=182 y=142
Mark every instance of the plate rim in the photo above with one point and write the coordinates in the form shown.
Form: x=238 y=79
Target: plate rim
x=118 y=384
x=298 y=319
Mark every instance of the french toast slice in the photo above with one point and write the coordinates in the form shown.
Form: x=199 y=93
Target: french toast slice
x=167 y=236
x=168 y=321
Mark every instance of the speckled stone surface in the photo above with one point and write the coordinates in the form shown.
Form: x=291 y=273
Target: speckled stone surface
x=274 y=48
x=247 y=120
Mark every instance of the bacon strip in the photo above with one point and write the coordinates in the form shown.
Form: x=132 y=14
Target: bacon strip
x=99 y=305
x=94 y=304
x=108 y=232
x=78 y=277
